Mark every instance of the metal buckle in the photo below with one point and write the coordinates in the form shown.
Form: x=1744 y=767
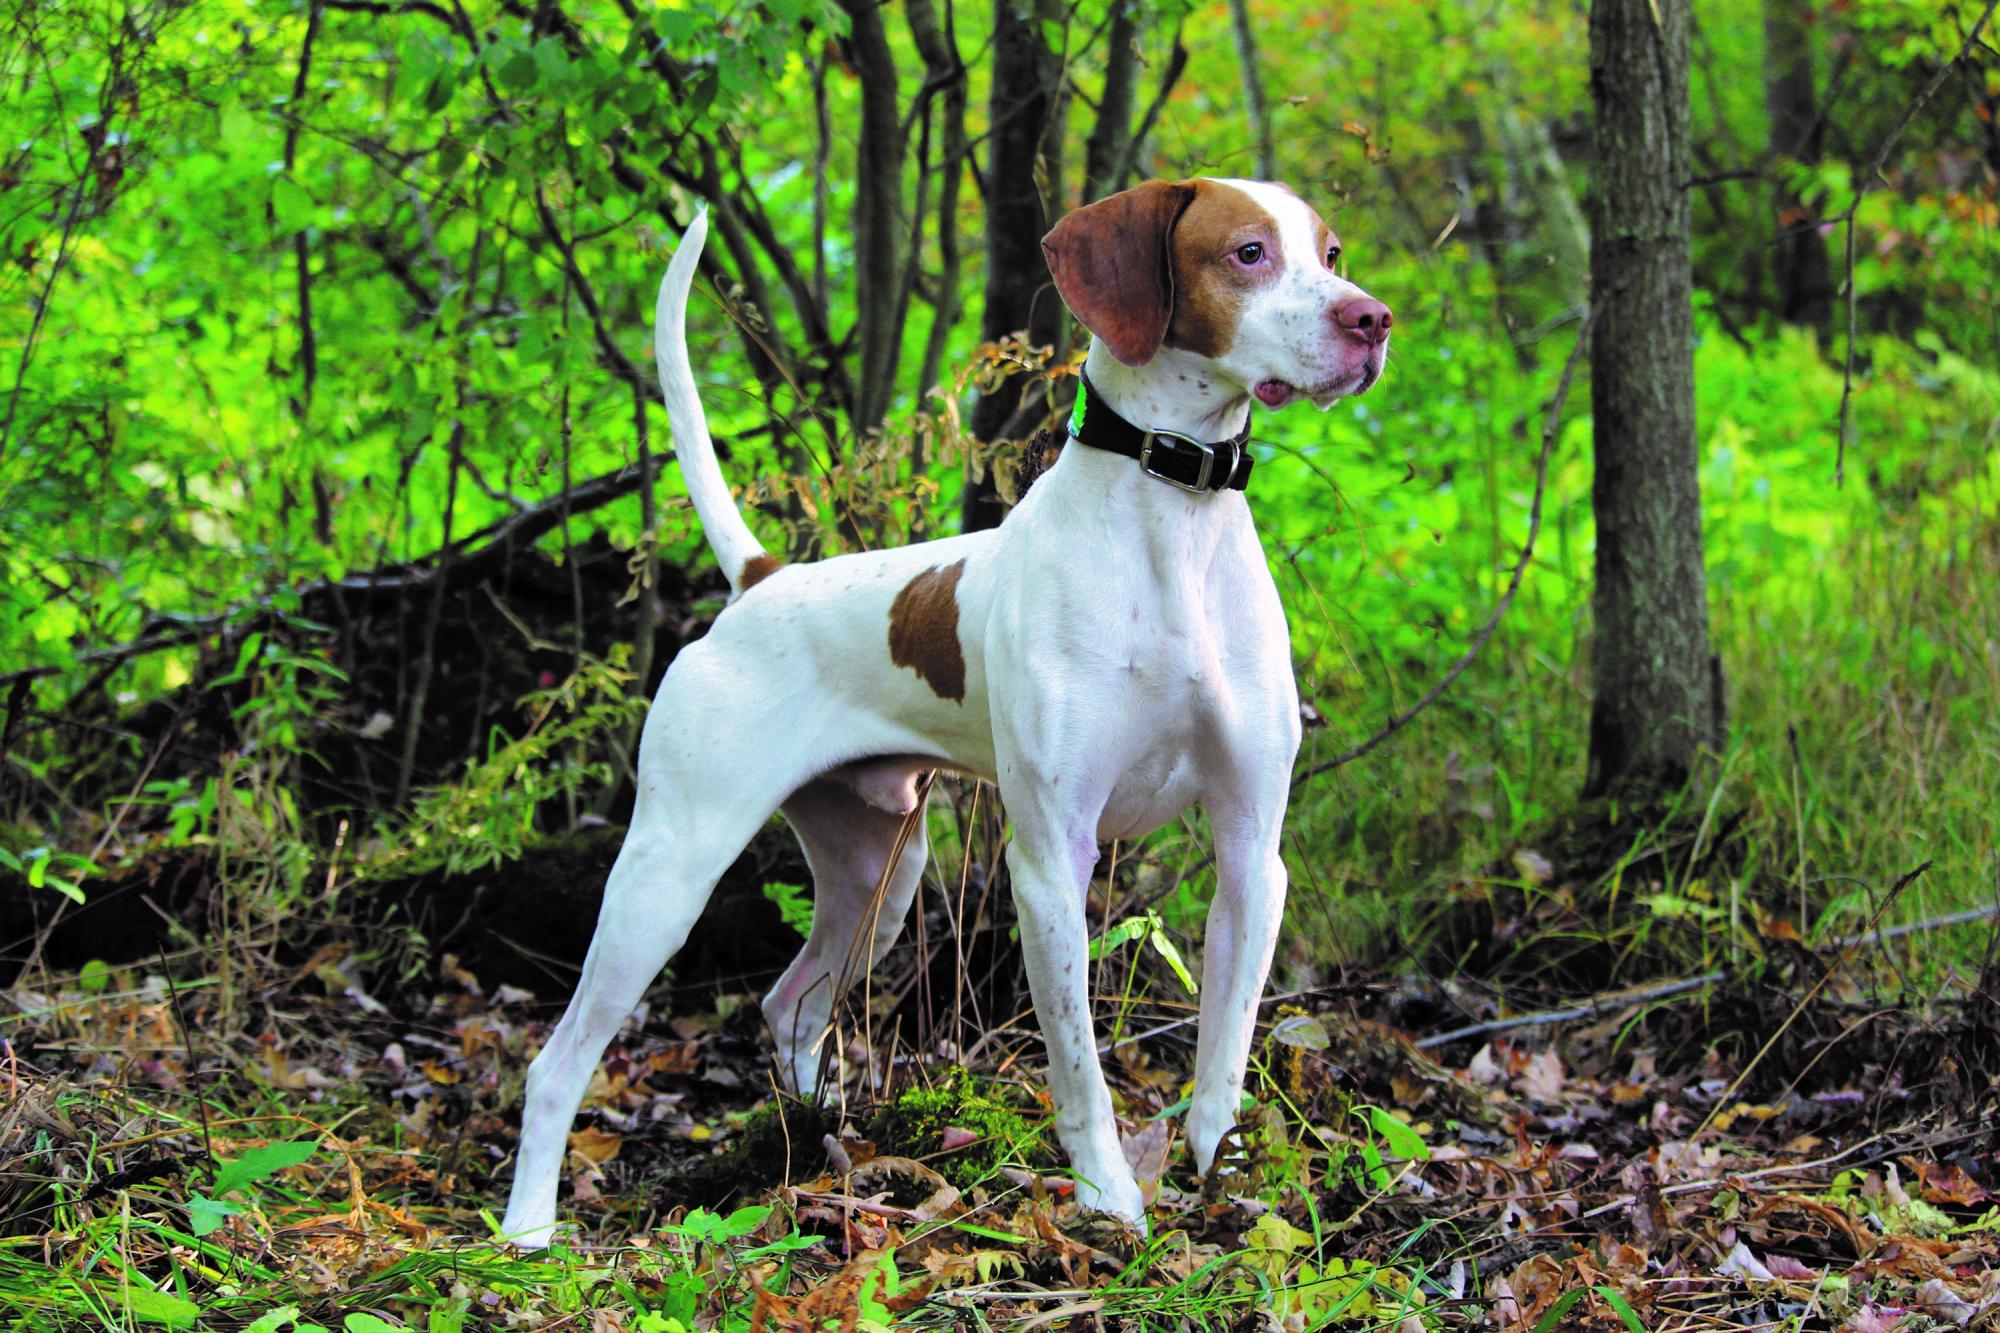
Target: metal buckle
x=1178 y=441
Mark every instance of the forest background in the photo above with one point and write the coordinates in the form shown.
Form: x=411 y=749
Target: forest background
x=300 y=293
x=340 y=526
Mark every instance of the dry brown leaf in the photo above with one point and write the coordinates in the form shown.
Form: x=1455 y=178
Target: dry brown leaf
x=594 y=1145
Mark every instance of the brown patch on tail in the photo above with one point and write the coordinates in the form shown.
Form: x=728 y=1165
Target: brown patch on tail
x=923 y=630
x=756 y=569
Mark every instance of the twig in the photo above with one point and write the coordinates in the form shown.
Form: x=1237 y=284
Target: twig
x=1599 y=1005
x=1594 y=1007
x=471 y=554
x=194 y=1066
x=1736 y=1083
x=113 y=78
x=413 y=725
x=1865 y=184
x=1550 y=427
x=301 y=250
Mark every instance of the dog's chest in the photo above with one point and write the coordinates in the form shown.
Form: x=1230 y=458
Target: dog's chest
x=1174 y=696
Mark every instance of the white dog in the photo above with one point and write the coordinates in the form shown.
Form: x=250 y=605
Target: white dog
x=1110 y=655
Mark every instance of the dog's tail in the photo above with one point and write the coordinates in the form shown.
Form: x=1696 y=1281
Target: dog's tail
x=735 y=546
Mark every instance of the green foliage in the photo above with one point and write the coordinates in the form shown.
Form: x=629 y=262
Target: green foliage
x=48 y=868
x=1146 y=926
x=914 y=1125
x=443 y=192
x=488 y=816
x=794 y=903
x=205 y=1214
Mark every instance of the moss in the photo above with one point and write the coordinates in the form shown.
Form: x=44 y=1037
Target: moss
x=1006 y=1121
x=778 y=1133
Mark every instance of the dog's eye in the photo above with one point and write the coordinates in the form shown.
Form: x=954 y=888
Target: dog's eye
x=1332 y=255
x=1249 y=254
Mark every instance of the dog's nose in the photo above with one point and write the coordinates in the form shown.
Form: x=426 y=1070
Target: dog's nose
x=1364 y=319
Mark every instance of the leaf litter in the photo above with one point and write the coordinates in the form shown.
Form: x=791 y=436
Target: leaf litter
x=309 y=1151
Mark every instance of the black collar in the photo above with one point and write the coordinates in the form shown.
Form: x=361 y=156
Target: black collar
x=1179 y=460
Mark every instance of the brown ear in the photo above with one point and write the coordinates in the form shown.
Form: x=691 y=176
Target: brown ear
x=1111 y=264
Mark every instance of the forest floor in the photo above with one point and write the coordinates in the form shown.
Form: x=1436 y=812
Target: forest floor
x=289 y=1146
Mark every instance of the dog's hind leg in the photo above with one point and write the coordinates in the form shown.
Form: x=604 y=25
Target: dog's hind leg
x=701 y=798
x=859 y=902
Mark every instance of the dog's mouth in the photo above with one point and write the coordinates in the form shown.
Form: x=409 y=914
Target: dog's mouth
x=1277 y=393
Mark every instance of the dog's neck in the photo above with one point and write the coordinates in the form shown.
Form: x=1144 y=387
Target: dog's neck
x=1176 y=390
x=1173 y=531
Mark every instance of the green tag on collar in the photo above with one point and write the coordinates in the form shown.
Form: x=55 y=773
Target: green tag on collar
x=1076 y=412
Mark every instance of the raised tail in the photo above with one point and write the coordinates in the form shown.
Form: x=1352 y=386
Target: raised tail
x=735 y=546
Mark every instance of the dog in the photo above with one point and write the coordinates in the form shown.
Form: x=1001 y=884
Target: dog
x=1110 y=655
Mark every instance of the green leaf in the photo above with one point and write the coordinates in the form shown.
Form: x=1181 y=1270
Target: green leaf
x=1131 y=928
x=1403 y=1141
x=259 y=1163
x=272 y=1320
x=363 y=1322
x=206 y=1214
x=700 y=1225
x=519 y=73
x=784 y=1245
x=291 y=204
x=552 y=63
x=1165 y=948
x=438 y=93
x=745 y=1220
x=448 y=1318
x=95 y=976
x=1622 y=1307
x=157 y=1307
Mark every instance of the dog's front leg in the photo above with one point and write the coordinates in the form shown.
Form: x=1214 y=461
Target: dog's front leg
x=1242 y=933
x=1051 y=865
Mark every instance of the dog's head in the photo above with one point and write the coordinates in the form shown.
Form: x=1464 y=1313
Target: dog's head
x=1240 y=272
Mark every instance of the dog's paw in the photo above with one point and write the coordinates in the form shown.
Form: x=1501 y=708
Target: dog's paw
x=1119 y=1200
x=525 y=1235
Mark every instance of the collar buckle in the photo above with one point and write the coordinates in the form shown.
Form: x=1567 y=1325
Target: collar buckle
x=1177 y=446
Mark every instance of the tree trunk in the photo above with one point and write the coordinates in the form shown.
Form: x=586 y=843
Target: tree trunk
x=1656 y=707
x=1536 y=165
x=1023 y=190
x=1254 y=101
x=1110 y=144
x=1801 y=265
x=938 y=45
x=878 y=190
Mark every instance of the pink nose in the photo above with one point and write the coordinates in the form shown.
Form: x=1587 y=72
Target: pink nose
x=1364 y=319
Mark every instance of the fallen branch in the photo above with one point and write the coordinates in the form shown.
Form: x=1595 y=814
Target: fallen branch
x=1596 y=1007
x=473 y=555
x=1599 y=1006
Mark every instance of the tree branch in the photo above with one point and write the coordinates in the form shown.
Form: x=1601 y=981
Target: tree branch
x=1863 y=186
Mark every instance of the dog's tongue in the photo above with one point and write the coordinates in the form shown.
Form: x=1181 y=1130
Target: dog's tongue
x=1273 y=393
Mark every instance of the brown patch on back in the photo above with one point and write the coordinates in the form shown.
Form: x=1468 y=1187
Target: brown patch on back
x=756 y=569
x=1208 y=290
x=923 y=630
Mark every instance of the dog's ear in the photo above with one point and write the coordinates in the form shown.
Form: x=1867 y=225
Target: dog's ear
x=1112 y=264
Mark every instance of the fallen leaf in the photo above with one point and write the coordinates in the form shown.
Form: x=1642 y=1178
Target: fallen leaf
x=594 y=1145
